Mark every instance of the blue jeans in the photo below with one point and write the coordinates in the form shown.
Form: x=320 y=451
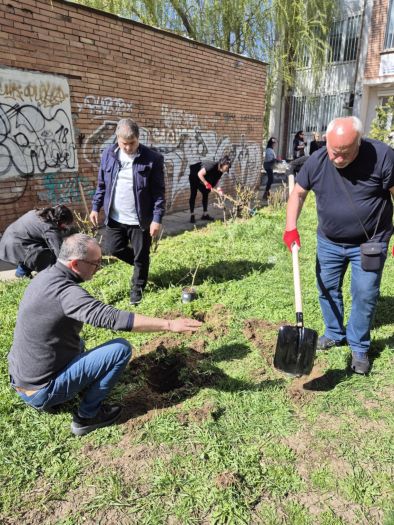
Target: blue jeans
x=331 y=264
x=95 y=372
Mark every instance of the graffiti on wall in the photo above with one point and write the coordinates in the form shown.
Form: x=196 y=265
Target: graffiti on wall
x=36 y=132
x=65 y=191
x=99 y=106
x=182 y=142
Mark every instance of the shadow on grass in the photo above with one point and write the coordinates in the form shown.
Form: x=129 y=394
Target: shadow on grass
x=384 y=312
x=332 y=378
x=168 y=376
x=378 y=345
x=328 y=381
x=230 y=352
x=219 y=272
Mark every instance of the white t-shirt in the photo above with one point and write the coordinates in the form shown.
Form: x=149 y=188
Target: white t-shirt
x=123 y=204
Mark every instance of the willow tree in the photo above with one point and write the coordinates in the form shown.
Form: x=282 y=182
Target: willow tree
x=284 y=33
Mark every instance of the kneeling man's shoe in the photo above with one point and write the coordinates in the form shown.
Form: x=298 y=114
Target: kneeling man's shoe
x=325 y=343
x=107 y=415
x=136 y=296
x=360 y=363
x=22 y=271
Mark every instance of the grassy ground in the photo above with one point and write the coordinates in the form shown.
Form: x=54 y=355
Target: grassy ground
x=211 y=433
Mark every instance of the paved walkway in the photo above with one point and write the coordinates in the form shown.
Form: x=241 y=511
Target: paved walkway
x=173 y=224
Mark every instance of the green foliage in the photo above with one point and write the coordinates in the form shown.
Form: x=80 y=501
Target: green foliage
x=242 y=444
x=281 y=32
x=382 y=127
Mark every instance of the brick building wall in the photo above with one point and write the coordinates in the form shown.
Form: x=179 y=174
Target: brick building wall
x=376 y=38
x=69 y=73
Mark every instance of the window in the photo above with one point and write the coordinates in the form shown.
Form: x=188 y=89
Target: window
x=344 y=39
x=389 y=40
x=315 y=112
x=351 y=38
x=335 y=41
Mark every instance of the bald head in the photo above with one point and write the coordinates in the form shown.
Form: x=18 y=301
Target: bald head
x=343 y=140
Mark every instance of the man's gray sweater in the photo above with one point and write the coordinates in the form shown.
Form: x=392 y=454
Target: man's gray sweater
x=50 y=318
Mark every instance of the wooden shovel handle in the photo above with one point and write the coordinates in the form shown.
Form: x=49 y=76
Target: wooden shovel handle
x=291 y=183
x=296 y=267
x=297 y=280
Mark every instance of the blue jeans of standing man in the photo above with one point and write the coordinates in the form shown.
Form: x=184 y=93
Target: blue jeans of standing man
x=94 y=372
x=331 y=264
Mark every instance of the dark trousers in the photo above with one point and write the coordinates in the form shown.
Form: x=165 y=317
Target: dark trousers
x=131 y=245
x=270 y=176
x=195 y=186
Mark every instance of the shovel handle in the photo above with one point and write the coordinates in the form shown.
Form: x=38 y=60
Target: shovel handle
x=297 y=284
x=296 y=268
x=291 y=183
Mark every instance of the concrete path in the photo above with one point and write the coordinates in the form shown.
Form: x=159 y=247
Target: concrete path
x=173 y=223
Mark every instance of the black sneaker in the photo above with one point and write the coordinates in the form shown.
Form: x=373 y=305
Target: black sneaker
x=360 y=363
x=192 y=218
x=207 y=217
x=107 y=415
x=136 y=296
x=325 y=343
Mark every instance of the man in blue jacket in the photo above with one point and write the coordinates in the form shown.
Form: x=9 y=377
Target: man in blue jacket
x=131 y=189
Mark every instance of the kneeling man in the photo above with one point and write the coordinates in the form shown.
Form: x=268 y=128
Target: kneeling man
x=47 y=362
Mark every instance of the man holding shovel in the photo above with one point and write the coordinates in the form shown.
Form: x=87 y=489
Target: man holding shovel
x=353 y=180
x=203 y=177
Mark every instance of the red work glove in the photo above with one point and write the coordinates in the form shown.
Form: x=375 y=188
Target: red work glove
x=208 y=186
x=393 y=251
x=289 y=237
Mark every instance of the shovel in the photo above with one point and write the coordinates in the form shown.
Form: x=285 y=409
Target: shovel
x=296 y=345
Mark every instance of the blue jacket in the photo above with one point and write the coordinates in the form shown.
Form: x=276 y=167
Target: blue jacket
x=149 y=189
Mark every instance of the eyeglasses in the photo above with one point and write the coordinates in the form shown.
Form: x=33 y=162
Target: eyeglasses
x=95 y=264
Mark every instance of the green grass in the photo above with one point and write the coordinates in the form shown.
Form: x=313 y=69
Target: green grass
x=237 y=443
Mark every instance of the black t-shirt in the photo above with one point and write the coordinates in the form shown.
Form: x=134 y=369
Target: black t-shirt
x=367 y=180
x=213 y=174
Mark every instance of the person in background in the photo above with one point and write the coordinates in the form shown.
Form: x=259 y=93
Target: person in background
x=299 y=145
x=353 y=181
x=48 y=364
x=316 y=143
x=131 y=190
x=33 y=241
x=203 y=177
x=269 y=162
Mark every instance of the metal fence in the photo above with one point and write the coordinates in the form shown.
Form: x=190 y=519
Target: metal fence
x=312 y=114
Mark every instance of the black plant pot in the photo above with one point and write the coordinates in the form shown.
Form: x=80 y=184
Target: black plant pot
x=189 y=294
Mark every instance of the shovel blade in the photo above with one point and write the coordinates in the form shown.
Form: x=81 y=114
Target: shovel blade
x=295 y=350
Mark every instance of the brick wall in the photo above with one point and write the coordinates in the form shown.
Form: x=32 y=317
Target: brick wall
x=376 y=38
x=69 y=73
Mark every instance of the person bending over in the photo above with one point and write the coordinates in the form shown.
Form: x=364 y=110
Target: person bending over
x=203 y=177
x=33 y=241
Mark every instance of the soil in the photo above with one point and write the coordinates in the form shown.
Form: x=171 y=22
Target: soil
x=167 y=371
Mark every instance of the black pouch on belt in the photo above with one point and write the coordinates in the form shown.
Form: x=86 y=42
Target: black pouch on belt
x=372 y=256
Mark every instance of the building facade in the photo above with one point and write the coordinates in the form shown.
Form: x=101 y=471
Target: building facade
x=342 y=89
x=378 y=81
